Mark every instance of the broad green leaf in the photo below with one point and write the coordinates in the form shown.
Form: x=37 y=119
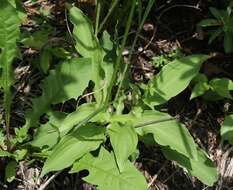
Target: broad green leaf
x=73 y=146
x=227 y=129
x=165 y=129
x=9 y=33
x=17 y=4
x=173 y=79
x=199 y=89
x=75 y=118
x=60 y=124
x=87 y=45
x=209 y=22
x=47 y=135
x=222 y=87
x=120 y=136
x=10 y=171
x=200 y=78
x=104 y=173
x=109 y=57
x=202 y=168
x=67 y=81
x=86 y=42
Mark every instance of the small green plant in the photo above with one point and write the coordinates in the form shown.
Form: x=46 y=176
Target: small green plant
x=222 y=25
x=78 y=139
x=164 y=59
x=214 y=89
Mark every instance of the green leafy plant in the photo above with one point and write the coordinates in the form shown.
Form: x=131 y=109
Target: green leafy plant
x=214 y=89
x=173 y=79
x=164 y=59
x=99 y=136
x=223 y=23
x=78 y=139
x=9 y=33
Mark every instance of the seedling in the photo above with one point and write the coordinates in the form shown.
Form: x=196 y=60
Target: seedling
x=222 y=26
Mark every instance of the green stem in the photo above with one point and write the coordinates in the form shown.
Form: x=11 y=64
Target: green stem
x=114 y=4
x=154 y=122
x=98 y=9
x=119 y=58
x=148 y=8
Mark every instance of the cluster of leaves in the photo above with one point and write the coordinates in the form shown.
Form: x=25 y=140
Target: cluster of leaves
x=222 y=24
x=80 y=139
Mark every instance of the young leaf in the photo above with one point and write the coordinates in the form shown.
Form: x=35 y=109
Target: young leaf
x=67 y=81
x=104 y=173
x=199 y=89
x=227 y=129
x=173 y=79
x=109 y=57
x=86 y=42
x=169 y=133
x=202 y=168
x=9 y=33
x=222 y=87
x=120 y=136
x=73 y=146
x=87 y=45
x=60 y=124
x=75 y=118
x=165 y=129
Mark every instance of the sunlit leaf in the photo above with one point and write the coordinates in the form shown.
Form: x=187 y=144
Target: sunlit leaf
x=222 y=86
x=73 y=146
x=104 y=173
x=67 y=81
x=173 y=79
x=87 y=45
x=165 y=129
x=119 y=137
x=202 y=168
